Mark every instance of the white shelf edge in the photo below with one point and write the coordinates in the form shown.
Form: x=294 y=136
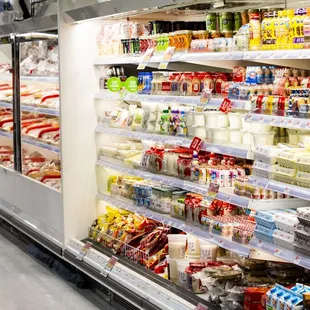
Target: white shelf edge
x=282 y=253
x=179 y=224
x=184 y=57
x=32 y=141
x=279 y=121
x=179 y=141
x=32 y=109
x=284 y=188
x=214 y=102
x=43 y=79
x=140 y=285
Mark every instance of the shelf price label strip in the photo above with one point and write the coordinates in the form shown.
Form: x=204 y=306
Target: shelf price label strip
x=46 y=111
x=279 y=121
x=292 y=190
x=192 y=57
x=179 y=224
x=282 y=253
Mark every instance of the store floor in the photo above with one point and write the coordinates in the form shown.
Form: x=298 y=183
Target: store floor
x=27 y=285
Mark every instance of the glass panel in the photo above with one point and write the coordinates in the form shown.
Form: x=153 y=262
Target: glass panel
x=39 y=96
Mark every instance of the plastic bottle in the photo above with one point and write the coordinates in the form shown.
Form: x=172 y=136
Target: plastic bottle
x=265 y=24
x=164 y=122
x=298 y=22
x=255 y=30
x=278 y=30
x=182 y=129
x=307 y=29
x=289 y=29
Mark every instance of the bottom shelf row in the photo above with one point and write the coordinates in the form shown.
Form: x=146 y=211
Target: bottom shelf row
x=203 y=266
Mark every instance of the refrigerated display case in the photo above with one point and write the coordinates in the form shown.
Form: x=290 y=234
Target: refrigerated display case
x=158 y=149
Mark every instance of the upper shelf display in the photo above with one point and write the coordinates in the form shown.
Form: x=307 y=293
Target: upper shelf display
x=224 y=36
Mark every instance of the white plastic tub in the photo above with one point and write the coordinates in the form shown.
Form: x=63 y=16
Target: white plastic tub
x=182 y=264
x=246 y=126
x=220 y=134
x=235 y=136
x=258 y=127
x=235 y=120
x=261 y=138
x=214 y=119
x=199 y=119
x=189 y=118
x=200 y=132
x=293 y=136
x=177 y=246
x=172 y=269
x=208 y=251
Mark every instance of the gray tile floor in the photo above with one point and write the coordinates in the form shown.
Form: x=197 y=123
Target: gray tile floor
x=27 y=285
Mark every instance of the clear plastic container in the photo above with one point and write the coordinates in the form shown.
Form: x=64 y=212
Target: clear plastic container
x=208 y=251
x=177 y=246
x=172 y=269
x=182 y=264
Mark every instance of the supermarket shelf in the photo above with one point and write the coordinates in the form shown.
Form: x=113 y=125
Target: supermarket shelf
x=242 y=151
x=288 y=189
x=32 y=141
x=32 y=109
x=213 y=103
x=225 y=194
x=282 y=253
x=167 y=220
x=42 y=79
x=194 y=57
x=278 y=120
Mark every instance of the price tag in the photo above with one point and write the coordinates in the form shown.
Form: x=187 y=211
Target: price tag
x=196 y=144
x=201 y=307
x=205 y=97
x=84 y=250
x=146 y=58
x=260 y=243
x=277 y=252
x=226 y=105
x=287 y=190
x=297 y=260
x=109 y=266
x=167 y=57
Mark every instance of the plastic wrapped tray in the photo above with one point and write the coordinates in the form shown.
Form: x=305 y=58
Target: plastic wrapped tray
x=263 y=170
x=267 y=154
x=303 y=215
x=283 y=178
x=303 y=161
x=304 y=250
x=284 y=239
x=264 y=234
x=286 y=222
x=302 y=237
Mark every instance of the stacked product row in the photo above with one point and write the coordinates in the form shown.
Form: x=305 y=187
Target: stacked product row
x=35 y=166
x=287 y=165
x=254 y=29
x=41 y=95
